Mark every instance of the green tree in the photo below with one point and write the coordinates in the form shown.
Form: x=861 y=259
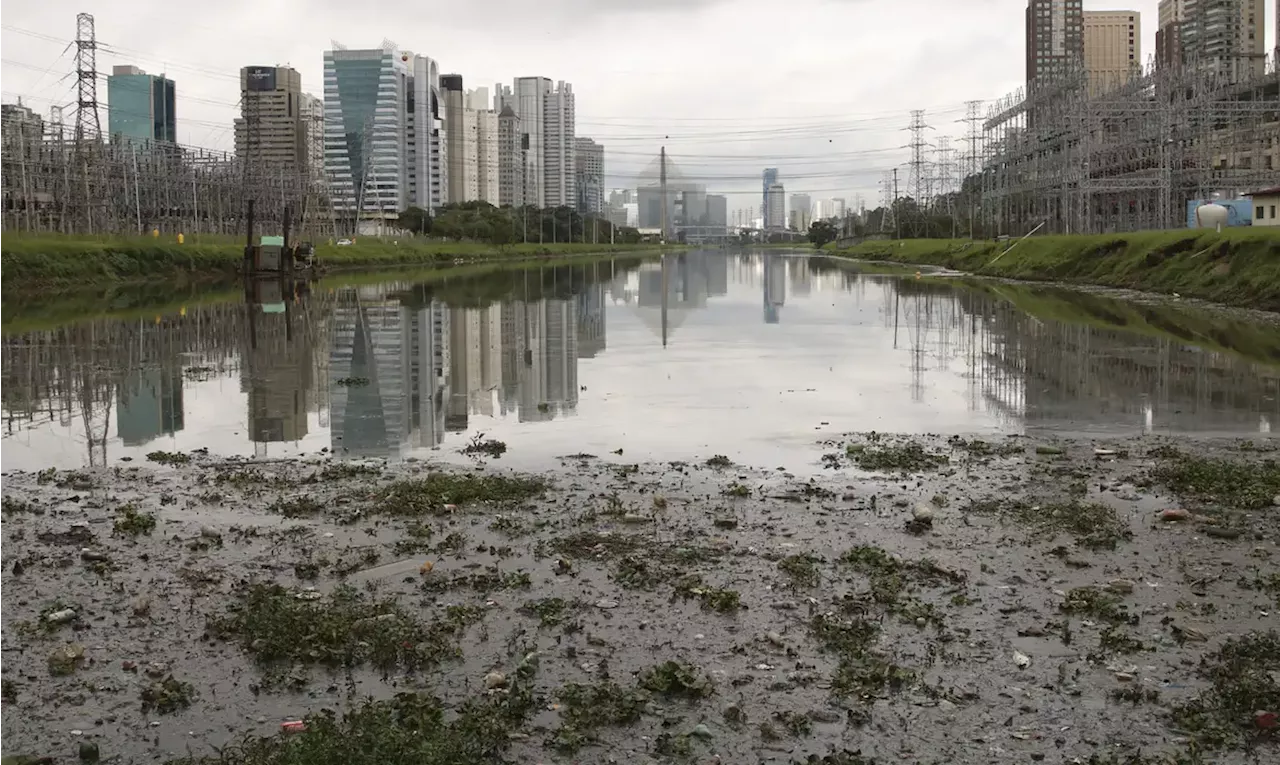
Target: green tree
x=822 y=232
x=414 y=220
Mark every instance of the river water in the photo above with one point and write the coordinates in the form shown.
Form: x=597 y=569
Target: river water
x=758 y=357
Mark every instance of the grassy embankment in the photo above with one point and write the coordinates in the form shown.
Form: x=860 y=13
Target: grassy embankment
x=30 y=262
x=30 y=311
x=1237 y=267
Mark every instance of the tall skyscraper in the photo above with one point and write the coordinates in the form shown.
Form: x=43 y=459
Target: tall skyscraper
x=485 y=122
x=271 y=133
x=459 y=143
x=311 y=113
x=513 y=145
x=589 y=172
x=548 y=121
x=1226 y=37
x=1112 y=48
x=1169 y=33
x=1055 y=39
x=140 y=106
x=382 y=133
x=801 y=212
x=770 y=177
x=717 y=212
x=775 y=207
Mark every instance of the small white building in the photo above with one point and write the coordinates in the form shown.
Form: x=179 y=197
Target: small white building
x=1265 y=203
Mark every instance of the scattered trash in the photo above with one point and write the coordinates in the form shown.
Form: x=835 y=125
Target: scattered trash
x=775 y=638
x=701 y=731
x=606 y=604
x=1264 y=719
x=450 y=508
x=1175 y=514
x=61 y=616
x=89 y=751
x=293 y=726
x=495 y=680
x=426 y=567
x=1121 y=586
x=65 y=658
x=1021 y=660
x=308 y=595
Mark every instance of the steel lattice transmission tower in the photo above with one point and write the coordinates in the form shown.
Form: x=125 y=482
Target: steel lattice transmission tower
x=919 y=173
x=88 y=123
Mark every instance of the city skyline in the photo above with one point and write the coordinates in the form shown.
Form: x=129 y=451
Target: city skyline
x=207 y=74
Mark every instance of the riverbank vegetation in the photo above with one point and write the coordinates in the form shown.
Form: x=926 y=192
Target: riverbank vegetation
x=1236 y=267
x=470 y=232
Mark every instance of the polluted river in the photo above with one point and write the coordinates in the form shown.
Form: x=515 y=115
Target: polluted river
x=706 y=507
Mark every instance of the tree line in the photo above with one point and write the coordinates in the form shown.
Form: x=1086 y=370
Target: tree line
x=482 y=222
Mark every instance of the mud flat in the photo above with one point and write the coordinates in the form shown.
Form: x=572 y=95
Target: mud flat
x=932 y=600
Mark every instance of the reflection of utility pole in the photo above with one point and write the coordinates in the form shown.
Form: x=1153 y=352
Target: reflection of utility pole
x=665 y=259
x=662 y=184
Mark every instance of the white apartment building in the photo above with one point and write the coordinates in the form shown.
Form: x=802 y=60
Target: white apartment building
x=547 y=120
x=485 y=121
x=775 y=216
x=589 y=172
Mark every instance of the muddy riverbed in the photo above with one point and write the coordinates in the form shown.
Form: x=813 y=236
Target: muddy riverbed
x=922 y=599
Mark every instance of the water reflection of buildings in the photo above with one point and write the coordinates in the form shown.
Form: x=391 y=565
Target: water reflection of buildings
x=775 y=287
x=277 y=366
x=149 y=404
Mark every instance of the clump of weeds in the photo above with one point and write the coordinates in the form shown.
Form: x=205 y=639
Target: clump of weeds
x=795 y=723
x=891 y=578
x=343 y=471
x=1243 y=676
x=712 y=598
x=13 y=506
x=673 y=679
x=1094 y=525
x=736 y=489
x=719 y=462
x=1230 y=483
x=861 y=672
x=346 y=628
x=302 y=506
x=167 y=696
x=979 y=448
x=479 y=445
x=169 y=458
x=130 y=520
x=587 y=708
x=910 y=457
x=409 y=728
x=430 y=495
x=550 y=611
x=1097 y=603
x=802 y=569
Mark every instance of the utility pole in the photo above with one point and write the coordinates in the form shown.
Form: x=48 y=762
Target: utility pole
x=897 y=222
x=974 y=162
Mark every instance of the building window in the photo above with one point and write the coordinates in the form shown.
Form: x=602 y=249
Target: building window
x=1259 y=212
x=1273 y=212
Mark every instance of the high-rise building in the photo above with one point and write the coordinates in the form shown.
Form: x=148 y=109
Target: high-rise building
x=717 y=212
x=1112 y=48
x=513 y=145
x=485 y=121
x=801 y=212
x=770 y=177
x=270 y=133
x=459 y=142
x=311 y=112
x=589 y=172
x=425 y=142
x=1226 y=37
x=775 y=207
x=1169 y=33
x=548 y=121
x=22 y=127
x=140 y=106
x=1055 y=39
x=382 y=133
x=560 y=149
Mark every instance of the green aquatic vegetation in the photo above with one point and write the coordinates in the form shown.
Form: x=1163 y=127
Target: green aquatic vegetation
x=585 y=709
x=409 y=729
x=167 y=696
x=674 y=679
x=346 y=628
x=130 y=520
x=712 y=598
x=891 y=579
x=802 y=569
x=1236 y=484
x=719 y=462
x=1096 y=603
x=169 y=458
x=479 y=445
x=549 y=611
x=303 y=506
x=1243 y=676
x=430 y=495
x=1094 y=525
x=910 y=457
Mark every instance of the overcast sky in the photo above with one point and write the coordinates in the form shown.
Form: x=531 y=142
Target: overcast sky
x=818 y=88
